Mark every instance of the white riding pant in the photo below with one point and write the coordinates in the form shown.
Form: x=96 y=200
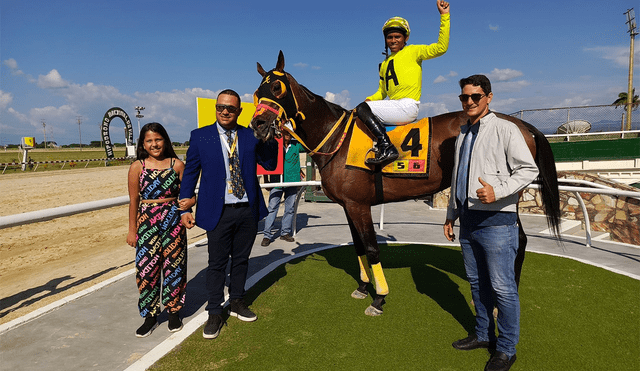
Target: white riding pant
x=395 y=112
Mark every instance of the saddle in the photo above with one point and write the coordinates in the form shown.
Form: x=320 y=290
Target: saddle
x=413 y=142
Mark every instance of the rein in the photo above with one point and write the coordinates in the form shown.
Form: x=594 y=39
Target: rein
x=326 y=138
x=281 y=122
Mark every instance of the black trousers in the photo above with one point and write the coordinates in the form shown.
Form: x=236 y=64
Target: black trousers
x=232 y=238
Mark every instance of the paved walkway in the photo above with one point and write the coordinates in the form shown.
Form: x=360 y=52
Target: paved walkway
x=95 y=330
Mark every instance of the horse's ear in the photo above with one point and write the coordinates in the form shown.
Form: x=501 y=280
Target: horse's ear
x=261 y=70
x=280 y=64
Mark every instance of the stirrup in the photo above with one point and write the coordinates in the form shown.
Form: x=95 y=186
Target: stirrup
x=382 y=158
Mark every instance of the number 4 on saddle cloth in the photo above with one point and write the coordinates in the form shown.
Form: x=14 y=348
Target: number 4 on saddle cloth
x=413 y=142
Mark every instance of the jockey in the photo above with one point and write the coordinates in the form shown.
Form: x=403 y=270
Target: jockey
x=400 y=81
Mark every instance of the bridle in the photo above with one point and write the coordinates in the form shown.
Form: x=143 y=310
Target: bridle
x=284 y=122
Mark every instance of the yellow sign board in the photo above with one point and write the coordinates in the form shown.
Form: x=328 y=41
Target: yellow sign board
x=206 y=108
x=28 y=142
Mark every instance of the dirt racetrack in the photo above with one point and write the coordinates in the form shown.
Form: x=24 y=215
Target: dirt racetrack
x=44 y=262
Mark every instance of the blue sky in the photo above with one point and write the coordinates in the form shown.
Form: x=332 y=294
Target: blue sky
x=60 y=59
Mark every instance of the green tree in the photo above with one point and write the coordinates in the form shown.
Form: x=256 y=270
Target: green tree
x=622 y=100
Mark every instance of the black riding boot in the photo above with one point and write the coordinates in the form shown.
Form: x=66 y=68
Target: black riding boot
x=385 y=152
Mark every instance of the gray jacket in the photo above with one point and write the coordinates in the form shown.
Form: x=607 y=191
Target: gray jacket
x=500 y=156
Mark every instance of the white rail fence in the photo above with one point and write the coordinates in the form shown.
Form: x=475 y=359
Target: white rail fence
x=33 y=165
x=62 y=211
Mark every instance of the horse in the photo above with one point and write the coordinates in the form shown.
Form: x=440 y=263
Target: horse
x=283 y=104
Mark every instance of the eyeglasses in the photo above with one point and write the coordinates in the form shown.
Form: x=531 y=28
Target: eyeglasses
x=475 y=97
x=222 y=107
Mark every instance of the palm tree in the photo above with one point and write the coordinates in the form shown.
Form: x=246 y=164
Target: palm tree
x=622 y=100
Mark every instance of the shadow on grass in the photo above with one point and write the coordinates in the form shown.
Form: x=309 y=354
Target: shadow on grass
x=430 y=266
x=431 y=269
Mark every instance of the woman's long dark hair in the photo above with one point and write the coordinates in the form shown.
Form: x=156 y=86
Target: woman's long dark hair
x=155 y=127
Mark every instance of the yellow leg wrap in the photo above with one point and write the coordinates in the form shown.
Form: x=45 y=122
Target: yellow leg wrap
x=365 y=271
x=381 y=283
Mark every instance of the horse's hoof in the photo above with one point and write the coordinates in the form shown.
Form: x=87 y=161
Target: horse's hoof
x=373 y=311
x=357 y=294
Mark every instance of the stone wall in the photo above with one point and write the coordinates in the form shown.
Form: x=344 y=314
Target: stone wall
x=619 y=216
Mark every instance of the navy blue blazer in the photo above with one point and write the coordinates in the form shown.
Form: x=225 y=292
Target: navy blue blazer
x=205 y=160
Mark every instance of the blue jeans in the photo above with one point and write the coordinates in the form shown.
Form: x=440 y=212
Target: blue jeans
x=489 y=254
x=274 y=203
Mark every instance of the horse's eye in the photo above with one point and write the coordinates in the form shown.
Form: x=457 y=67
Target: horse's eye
x=278 y=89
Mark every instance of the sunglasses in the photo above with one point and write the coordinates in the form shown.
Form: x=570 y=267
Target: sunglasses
x=222 y=107
x=475 y=97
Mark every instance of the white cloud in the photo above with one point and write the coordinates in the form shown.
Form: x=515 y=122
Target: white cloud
x=5 y=99
x=574 y=102
x=52 y=80
x=78 y=95
x=175 y=108
x=55 y=114
x=342 y=99
x=432 y=109
x=619 y=55
x=494 y=28
x=302 y=65
x=503 y=105
x=244 y=98
x=13 y=66
x=54 y=117
x=175 y=98
x=505 y=74
x=439 y=79
x=20 y=116
x=510 y=86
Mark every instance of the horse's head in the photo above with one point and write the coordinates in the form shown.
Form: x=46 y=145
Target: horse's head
x=275 y=102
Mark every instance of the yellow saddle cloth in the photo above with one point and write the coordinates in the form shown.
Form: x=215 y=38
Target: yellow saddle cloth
x=412 y=141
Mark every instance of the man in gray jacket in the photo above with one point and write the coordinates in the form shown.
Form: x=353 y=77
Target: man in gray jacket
x=492 y=165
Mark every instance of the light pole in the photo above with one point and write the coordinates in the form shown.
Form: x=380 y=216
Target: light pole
x=631 y=21
x=139 y=116
x=80 y=131
x=44 y=129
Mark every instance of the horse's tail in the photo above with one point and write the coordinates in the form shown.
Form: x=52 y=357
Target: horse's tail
x=548 y=180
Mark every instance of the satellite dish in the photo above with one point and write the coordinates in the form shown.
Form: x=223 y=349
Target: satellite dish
x=574 y=127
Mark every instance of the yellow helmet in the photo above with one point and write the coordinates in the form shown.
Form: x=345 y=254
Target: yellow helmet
x=398 y=24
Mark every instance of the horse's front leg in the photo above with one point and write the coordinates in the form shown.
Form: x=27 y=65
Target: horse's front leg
x=364 y=239
x=365 y=270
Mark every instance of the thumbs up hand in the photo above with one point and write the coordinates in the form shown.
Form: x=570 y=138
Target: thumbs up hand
x=485 y=194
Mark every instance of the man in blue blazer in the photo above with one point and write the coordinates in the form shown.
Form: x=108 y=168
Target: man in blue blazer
x=229 y=207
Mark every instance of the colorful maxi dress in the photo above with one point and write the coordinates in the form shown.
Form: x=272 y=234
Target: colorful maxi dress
x=161 y=247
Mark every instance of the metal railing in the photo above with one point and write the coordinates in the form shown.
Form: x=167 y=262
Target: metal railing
x=57 y=212
x=33 y=165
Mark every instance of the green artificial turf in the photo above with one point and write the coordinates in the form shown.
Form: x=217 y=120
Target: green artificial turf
x=573 y=317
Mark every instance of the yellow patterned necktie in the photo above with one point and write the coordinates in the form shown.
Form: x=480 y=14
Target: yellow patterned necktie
x=237 y=188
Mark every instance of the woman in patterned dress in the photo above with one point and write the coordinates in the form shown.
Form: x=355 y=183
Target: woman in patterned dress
x=155 y=229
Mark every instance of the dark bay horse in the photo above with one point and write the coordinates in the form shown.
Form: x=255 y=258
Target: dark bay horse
x=325 y=129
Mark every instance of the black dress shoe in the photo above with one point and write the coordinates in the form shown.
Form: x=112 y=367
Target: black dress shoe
x=500 y=362
x=212 y=327
x=469 y=343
